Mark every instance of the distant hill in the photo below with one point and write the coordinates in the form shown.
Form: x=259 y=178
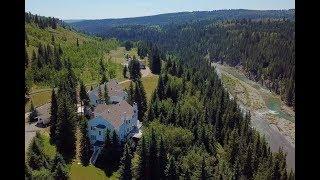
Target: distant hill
x=100 y=25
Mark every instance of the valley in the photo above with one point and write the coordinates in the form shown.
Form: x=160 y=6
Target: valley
x=270 y=116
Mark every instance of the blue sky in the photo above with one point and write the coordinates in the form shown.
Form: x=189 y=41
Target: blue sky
x=101 y=9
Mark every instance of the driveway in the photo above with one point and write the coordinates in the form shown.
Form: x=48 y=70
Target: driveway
x=30 y=129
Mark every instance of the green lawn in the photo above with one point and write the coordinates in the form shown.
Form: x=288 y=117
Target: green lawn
x=38 y=99
x=149 y=83
x=79 y=172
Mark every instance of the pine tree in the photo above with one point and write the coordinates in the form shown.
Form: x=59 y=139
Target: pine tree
x=100 y=92
x=155 y=62
x=59 y=168
x=27 y=172
x=204 y=173
x=34 y=60
x=85 y=148
x=53 y=117
x=134 y=70
x=125 y=168
x=35 y=155
x=106 y=94
x=26 y=62
x=140 y=99
x=153 y=156
x=104 y=79
x=124 y=71
x=27 y=39
x=115 y=150
x=83 y=94
x=77 y=42
x=52 y=39
x=162 y=159
x=104 y=157
x=142 y=170
x=65 y=131
x=172 y=170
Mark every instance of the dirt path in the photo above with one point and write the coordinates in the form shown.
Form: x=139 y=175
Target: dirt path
x=269 y=115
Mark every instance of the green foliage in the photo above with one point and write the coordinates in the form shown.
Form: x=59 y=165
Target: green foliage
x=53 y=117
x=155 y=62
x=85 y=58
x=42 y=174
x=36 y=156
x=85 y=145
x=172 y=169
x=125 y=168
x=128 y=45
x=134 y=70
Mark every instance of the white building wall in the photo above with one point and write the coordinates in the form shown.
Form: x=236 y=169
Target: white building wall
x=94 y=134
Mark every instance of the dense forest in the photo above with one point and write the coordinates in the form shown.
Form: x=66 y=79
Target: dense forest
x=265 y=49
x=102 y=25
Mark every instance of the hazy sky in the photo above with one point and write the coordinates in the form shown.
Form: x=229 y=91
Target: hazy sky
x=101 y=9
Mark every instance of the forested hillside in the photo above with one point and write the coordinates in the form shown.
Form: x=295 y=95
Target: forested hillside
x=52 y=46
x=101 y=25
x=193 y=130
x=264 y=48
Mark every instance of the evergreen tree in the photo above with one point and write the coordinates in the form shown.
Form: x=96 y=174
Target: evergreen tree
x=142 y=170
x=204 y=173
x=59 y=168
x=106 y=94
x=104 y=156
x=124 y=71
x=162 y=160
x=27 y=39
x=134 y=70
x=35 y=155
x=85 y=147
x=104 y=79
x=26 y=62
x=34 y=60
x=140 y=99
x=83 y=94
x=33 y=114
x=172 y=170
x=115 y=150
x=155 y=62
x=27 y=172
x=100 y=92
x=153 y=157
x=52 y=39
x=128 y=45
x=53 y=117
x=77 y=42
x=125 y=168
x=65 y=131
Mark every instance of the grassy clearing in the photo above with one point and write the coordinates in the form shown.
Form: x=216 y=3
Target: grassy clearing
x=149 y=83
x=38 y=99
x=79 y=172
x=118 y=55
